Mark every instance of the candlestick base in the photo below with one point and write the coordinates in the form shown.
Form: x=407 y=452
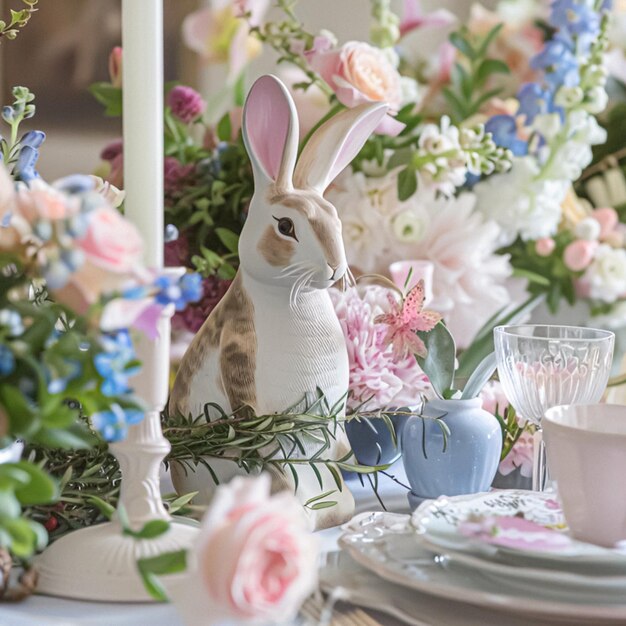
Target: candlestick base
x=99 y=563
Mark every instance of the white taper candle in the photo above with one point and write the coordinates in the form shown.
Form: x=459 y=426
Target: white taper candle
x=142 y=42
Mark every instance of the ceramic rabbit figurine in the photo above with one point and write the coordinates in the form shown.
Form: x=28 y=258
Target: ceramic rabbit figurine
x=274 y=336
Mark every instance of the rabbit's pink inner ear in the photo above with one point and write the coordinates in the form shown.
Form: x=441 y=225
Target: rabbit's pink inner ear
x=355 y=140
x=268 y=117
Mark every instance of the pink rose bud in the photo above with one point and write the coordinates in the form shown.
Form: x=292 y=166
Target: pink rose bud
x=186 y=103
x=545 y=246
x=608 y=220
x=115 y=66
x=579 y=254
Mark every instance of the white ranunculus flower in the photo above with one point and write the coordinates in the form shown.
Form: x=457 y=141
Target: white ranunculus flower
x=606 y=276
x=588 y=228
x=410 y=90
x=410 y=226
x=520 y=204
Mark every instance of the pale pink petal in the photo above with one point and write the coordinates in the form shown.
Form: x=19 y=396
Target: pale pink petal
x=197 y=30
x=414 y=18
x=389 y=126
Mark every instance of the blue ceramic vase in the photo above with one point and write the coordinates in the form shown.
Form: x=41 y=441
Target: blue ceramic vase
x=471 y=457
x=371 y=440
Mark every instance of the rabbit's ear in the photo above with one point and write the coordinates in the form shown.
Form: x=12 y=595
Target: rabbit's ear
x=335 y=143
x=270 y=131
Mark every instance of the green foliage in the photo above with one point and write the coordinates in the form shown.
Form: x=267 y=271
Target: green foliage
x=18 y=20
x=535 y=268
x=511 y=430
x=163 y=564
x=14 y=114
x=109 y=96
x=260 y=442
x=439 y=362
x=23 y=484
x=471 y=76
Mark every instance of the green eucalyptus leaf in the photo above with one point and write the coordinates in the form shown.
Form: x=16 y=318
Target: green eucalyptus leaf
x=164 y=564
x=407 y=183
x=438 y=364
x=532 y=277
x=40 y=488
x=150 y=530
x=109 y=96
x=104 y=507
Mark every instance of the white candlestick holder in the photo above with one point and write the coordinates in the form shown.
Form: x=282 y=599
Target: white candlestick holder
x=99 y=563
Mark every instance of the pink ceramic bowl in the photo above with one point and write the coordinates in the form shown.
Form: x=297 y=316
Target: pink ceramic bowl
x=586 y=452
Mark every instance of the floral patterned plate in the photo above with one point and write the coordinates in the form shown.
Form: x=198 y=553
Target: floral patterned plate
x=384 y=543
x=522 y=528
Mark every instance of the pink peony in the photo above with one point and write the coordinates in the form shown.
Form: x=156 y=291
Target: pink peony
x=521 y=455
x=186 y=103
x=376 y=378
x=256 y=558
x=578 y=255
x=494 y=399
x=115 y=67
x=358 y=73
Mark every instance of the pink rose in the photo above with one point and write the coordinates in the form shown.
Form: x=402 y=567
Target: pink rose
x=186 y=103
x=579 y=254
x=255 y=554
x=112 y=242
x=42 y=202
x=545 y=246
x=358 y=73
x=115 y=66
x=493 y=398
x=113 y=153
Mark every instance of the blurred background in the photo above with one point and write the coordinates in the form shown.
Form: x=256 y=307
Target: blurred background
x=66 y=45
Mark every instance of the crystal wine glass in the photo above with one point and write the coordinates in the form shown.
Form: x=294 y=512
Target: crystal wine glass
x=541 y=366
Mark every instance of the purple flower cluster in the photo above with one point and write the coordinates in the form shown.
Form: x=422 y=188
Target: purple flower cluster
x=185 y=103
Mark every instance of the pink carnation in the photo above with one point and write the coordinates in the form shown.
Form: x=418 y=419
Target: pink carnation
x=186 y=103
x=376 y=378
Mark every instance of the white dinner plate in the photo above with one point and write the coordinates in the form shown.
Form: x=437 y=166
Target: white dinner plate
x=438 y=522
x=562 y=583
x=385 y=544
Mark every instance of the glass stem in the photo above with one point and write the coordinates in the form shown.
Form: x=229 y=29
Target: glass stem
x=539 y=461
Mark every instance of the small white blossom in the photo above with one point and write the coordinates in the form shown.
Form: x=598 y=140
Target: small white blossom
x=606 y=276
x=588 y=229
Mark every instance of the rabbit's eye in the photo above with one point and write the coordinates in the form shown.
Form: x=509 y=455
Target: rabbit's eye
x=286 y=227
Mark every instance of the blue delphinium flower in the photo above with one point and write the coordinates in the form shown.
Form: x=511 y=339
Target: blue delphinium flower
x=535 y=100
x=7 y=361
x=113 y=363
x=75 y=184
x=179 y=292
x=503 y=129
x=113 y=424
x=12 y=321
x=559 y=63
x=28 y=155
x=575 y=16
x=25 y=165
x=191 y=287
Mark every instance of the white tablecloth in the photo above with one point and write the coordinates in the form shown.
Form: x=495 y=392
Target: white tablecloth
x=47 y=611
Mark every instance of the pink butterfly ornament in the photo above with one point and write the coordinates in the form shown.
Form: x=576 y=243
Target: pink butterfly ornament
x=405 y=319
